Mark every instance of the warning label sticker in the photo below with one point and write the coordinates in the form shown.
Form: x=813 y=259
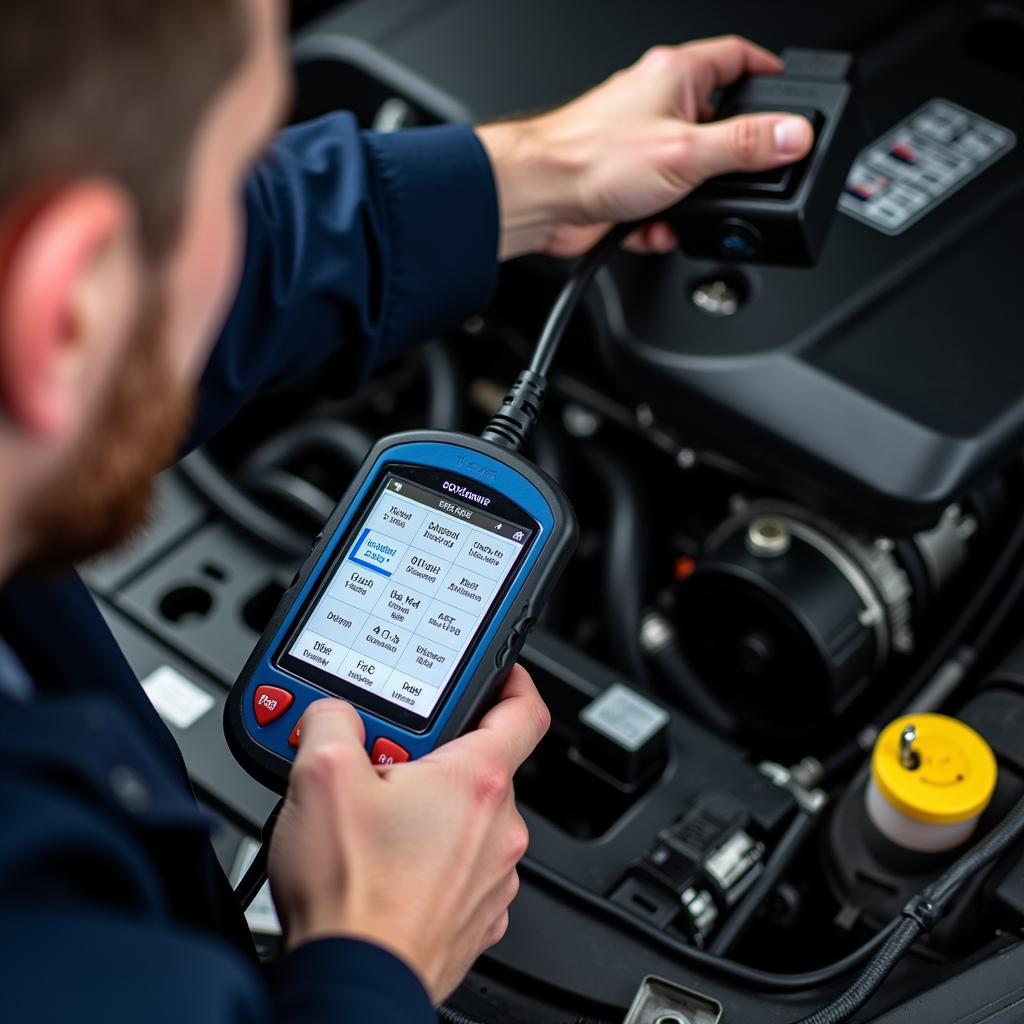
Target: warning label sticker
x=923 y=160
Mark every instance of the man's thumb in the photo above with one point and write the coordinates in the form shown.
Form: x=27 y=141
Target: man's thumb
x=750 y=142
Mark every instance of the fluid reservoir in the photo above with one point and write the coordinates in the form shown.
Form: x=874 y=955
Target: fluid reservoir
x=931 y=778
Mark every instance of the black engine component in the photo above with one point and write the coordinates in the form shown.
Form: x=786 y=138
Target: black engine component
x=705 y=861
x=780 y=216
x=788 y=617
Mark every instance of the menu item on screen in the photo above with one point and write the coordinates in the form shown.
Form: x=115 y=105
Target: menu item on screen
x=409 y=594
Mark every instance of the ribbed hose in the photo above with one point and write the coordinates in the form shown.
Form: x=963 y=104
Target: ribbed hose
x=874 y=974
x=921 y=914
x=449 y=1015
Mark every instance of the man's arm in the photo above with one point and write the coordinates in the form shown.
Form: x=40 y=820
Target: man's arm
x=366 y=243
x=357 y=243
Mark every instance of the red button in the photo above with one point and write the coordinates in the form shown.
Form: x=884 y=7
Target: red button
x=270 y=703
x=386 y=752
x=293 y=740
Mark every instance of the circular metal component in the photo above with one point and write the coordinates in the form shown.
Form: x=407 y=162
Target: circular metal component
x=873 y=615
x=778 y=640
x=671 y=1018
x=767 y=537
x=716 y=298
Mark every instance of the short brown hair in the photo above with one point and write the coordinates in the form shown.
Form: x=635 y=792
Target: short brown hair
x=115 y=88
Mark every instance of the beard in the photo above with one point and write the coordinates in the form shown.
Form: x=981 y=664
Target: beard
x=104 y=495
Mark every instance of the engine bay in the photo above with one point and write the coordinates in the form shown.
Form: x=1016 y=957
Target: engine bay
x=799 y=495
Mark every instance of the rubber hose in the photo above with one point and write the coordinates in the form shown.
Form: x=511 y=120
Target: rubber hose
x=348 y=443
x=685 y=689
x=444 y=411
x=791 y=843
x=626 y=557
x=236 y=505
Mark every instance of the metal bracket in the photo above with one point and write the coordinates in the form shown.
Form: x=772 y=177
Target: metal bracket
x=796 y=779
x=663 y=1002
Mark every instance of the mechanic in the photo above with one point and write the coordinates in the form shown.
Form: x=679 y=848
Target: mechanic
x=131 y=214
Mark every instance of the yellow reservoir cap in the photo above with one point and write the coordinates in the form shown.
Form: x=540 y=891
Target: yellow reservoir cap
x=955 y=777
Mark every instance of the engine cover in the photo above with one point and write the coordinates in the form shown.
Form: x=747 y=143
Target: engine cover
x=887 y=379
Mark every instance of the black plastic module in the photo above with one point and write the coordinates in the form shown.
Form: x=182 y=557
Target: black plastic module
x=782 y=215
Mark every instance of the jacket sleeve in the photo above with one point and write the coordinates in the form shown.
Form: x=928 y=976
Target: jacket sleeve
x=356 y=243
x=106 y=885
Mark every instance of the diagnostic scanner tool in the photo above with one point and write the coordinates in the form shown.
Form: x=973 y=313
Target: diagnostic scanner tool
x=413 y=603
x=781 y=215
x=417 y=596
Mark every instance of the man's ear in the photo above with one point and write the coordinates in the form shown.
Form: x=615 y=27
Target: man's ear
x=66 y=291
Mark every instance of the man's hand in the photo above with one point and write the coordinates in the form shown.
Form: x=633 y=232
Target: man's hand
x=419 y=858
x=632 y=147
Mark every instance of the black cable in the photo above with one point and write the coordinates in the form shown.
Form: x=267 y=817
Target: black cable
x=767 y=981
x=920 y=915
x=571 y=295
x=791 y=843
x=255 y=874
x=512 y=423
x=254 y=879
x=874 y=974
x=999 y=613
x=685 y=689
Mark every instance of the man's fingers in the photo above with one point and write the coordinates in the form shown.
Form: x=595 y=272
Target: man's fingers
x=513 y=727
x=656 y=237
x=716 y=63
x=333 y=739
x=749 y=143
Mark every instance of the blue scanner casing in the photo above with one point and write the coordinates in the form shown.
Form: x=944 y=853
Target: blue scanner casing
x=264 y=751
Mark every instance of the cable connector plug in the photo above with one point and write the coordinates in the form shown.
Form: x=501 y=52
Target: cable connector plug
x=925 y=913
x=520 y=409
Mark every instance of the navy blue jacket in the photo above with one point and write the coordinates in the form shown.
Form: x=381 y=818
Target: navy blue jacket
x=112 y=905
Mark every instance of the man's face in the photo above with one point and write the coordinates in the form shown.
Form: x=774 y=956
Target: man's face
x=105 y=484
